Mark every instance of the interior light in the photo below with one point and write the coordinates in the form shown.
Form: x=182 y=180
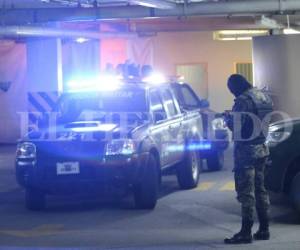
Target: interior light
x=232 y=35
x=244 y=38
x=228 y=39
x=290 y=31
x=243 y=32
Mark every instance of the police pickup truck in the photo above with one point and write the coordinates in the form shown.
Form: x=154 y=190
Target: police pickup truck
x=121 y=137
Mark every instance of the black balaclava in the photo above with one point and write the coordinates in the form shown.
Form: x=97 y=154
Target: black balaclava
x=238 y=84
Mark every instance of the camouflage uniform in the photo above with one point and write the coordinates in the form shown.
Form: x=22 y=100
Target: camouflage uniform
x=249 y=164
x=249 y=179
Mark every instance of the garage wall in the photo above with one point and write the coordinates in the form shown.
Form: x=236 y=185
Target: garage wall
x=199 y=47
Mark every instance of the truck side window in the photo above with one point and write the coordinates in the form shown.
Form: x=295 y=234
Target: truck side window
x=169 y=103
x=157 y=106
x=189 y=98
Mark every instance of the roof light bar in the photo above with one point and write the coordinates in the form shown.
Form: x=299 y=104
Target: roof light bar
x=100 y=83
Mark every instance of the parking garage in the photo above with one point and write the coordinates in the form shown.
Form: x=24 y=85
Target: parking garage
x=48 y=47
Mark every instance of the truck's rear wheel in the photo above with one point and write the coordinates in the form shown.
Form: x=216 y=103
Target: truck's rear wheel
x=295 y=192
x=188 y=171
x=215 y=160
x=35 y=199
x=146 y=191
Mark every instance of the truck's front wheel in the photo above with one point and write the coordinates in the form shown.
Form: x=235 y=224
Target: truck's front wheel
x=35 y=199
x=146 y=190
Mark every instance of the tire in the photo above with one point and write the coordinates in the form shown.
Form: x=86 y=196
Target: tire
x=146 y=191
x=215 y=161
x=295 y=192
x=35 y=199
x=188 y=171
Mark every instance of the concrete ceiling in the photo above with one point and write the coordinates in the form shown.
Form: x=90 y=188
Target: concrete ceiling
x=165 y=15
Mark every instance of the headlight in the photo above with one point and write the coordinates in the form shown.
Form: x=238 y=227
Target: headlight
x=26 y=150
x=218 y=124
x=277 y=136
x=120 y=147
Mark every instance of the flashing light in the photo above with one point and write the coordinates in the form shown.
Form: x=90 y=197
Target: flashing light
x=155 y=78
x=100 y=83
x=190 y=147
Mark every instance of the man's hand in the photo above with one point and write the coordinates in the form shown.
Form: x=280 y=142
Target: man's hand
x=227 y=115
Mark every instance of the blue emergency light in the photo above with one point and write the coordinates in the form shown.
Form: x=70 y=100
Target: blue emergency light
x=99 y=83
x=190 y=147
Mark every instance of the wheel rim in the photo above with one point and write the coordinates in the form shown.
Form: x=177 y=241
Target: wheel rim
x=194 y=166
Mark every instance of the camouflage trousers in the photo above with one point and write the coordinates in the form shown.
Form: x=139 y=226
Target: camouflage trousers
x=251 y=191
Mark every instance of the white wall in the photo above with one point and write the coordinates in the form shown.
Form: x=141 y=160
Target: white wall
x=276 y=66
x=199 y=47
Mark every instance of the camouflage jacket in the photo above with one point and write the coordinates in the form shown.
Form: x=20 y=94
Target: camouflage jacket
x=246 y=153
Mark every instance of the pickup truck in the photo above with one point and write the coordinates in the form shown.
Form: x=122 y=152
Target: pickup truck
x=123 y=138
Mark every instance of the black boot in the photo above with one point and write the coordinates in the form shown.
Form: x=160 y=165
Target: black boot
x=263 y=232
x=244 y=236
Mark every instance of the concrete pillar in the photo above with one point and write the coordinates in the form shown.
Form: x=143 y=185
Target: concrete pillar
x=276 y=67
x=44 y=64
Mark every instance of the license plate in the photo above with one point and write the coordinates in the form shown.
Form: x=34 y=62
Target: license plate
x=65 y=168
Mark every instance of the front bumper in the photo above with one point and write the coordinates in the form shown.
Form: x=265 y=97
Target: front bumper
x=94 y=175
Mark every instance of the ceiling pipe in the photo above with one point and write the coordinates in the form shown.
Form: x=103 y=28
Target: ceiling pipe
x=159 y=4
x=238 y=7
x=28 y=31
x=243 y=7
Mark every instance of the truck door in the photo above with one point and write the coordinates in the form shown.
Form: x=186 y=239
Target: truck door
x=159 y=131
x=174 y=125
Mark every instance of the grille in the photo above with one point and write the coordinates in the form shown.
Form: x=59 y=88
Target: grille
x=87 y=154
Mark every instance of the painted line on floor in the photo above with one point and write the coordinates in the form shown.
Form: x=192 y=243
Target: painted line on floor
x=229 y=186
x=204 y=186
x=43 y=230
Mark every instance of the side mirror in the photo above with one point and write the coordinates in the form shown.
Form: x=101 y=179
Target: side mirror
x=204 y=104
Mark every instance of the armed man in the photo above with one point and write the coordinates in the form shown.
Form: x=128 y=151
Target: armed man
x=248 y=124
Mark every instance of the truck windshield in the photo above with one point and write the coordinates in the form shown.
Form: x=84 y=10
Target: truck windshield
x=76 y=105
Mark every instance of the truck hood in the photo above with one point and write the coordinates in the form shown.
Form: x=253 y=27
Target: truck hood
x=79 y=131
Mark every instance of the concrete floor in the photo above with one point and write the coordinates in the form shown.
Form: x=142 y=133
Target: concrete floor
x=195 y=219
